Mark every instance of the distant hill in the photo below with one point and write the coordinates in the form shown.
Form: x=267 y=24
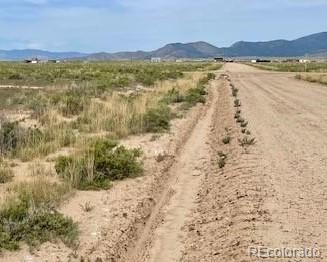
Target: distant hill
x=313 y=45
x=33 y=53
x=280 y=48
x=170 y=51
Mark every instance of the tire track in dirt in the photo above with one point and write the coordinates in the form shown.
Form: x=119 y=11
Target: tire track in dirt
x=163 y=237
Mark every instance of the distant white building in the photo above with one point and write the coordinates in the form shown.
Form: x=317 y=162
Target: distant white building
x=32 y=61
x=303 y=61
x=155 y=59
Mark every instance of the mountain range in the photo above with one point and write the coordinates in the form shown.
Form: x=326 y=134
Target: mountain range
x=312 y=45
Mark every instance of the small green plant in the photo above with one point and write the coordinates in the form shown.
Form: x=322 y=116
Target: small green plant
x=237 y=103
x=244 y=124
x=234 y=91
x=237 y=115
x=221 y=159
x=240 y=119
x=226 y=140
x=87 y=207
x=247 y=141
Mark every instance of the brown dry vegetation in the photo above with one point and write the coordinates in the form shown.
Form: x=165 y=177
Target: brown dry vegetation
x=83 y=119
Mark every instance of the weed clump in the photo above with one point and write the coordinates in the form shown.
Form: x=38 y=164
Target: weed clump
x=234 y=91
x=247 y=141
x=157 y=119
x=221 y=159
x=29 y=216
x=227 y=138
x=9 y=136
x=173 y=96
x=6 y=173
x=105 y=161
x=237 y=103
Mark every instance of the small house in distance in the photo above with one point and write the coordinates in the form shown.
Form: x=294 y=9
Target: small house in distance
x=155 y=60
x=53 y=61
x=219 y=59
x=260 y=61
x=32 y=61
x=304 y=61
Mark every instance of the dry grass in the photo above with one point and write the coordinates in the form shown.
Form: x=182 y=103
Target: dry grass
x=40 y=191
x=6 y=173
x=121 y=115
x=314 y=78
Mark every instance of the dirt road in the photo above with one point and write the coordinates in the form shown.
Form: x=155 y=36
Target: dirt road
x=272 y=195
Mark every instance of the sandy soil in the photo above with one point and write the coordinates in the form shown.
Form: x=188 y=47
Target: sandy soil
x=275 y=196
x=185 y=208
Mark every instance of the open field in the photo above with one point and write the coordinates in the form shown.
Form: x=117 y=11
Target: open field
x=313 y=77
x=194 y=168
x=292 y=67
x=61 y=127
x=312 y=72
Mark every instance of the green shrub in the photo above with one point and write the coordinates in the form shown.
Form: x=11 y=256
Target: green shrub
x=211 y=76
x=195 y=95
x=72 y=105
x=157 y=119
x=30 y=216
x=105 y=161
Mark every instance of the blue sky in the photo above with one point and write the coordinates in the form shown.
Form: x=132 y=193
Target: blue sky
x=116 y=25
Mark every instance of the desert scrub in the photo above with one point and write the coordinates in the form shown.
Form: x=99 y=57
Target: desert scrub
x=29 y=215
x=211 y=76
x=6 y=173
x=99 y=75
x=194 y=96
x=103 y=162
x=173 y=96
x=29 y=143
x=9 y=136
x=157 y=119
